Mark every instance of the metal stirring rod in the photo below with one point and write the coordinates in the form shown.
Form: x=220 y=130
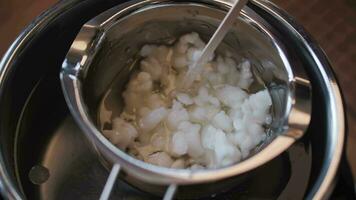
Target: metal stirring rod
x=213 y=43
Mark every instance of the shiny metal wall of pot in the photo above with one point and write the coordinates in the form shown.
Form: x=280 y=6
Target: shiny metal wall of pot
x=322 y=77
x=104 y=50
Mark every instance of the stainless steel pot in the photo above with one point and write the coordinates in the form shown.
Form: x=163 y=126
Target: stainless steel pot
x=318 y=69
x=103 y=53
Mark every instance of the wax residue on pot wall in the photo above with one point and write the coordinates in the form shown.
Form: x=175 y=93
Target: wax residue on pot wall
x=215 y=123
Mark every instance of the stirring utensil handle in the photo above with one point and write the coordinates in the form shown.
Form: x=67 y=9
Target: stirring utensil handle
x=110 y=182
x=222 y=30
x=169 y=195
x=214 y=41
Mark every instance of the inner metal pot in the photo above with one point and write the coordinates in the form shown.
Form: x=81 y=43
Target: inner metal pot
x=105 y=51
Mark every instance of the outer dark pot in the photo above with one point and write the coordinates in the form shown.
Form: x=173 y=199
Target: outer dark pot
x=35 y=126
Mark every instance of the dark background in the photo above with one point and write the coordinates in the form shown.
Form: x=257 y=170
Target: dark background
x=331 y=22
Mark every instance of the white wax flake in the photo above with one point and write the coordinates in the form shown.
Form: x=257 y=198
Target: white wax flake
x=212 y=124
x=152 y=67
x=231 y=96
x=198 y=115
x=176 y=115
x=122 y=135
x=179 y=144
x=155 y=101
x=222 y=121
x=185 y=99
x=160 y=159
x=194 y=54
x=178 y=164
x=246 y=76
x=147 y=50
x=225 y=153
x=223 y=68
x=152 y=119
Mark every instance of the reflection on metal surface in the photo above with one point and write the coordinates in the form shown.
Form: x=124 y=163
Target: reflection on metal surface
x=79 y=46
x=59 y=156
